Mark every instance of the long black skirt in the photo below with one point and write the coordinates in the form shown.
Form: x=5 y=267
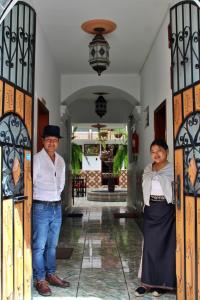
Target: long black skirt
x=158 y=262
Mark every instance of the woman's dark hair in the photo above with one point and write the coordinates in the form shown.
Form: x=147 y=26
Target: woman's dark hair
x=160 y=143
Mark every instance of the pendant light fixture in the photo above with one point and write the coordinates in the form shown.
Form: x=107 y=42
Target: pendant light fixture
x=99 y=47
x=101 y=104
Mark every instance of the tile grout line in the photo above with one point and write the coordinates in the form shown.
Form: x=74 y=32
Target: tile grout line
x=82 y=255
x=121 y=263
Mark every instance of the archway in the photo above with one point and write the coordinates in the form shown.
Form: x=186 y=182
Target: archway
x=80 y=107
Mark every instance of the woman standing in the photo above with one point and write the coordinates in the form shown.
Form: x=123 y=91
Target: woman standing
x=158 y=259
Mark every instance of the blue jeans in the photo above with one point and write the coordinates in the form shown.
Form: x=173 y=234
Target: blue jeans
x=46 y=223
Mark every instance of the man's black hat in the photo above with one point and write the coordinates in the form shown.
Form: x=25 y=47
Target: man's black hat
x=51 y=130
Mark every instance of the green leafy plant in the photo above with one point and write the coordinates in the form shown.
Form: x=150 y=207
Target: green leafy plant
x=103 y=137
x=121 y=156
x=76 y=158
x=120 y=159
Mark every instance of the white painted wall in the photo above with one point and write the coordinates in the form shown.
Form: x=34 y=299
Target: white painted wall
x=83 y=111
x=155 y=88
x=92 y=163
x=130 y=83
x=47 y=83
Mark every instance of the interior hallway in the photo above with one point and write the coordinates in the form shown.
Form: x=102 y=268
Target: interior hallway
x=106 y=255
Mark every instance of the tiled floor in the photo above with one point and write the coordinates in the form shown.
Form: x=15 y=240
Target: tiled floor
x=106 y=255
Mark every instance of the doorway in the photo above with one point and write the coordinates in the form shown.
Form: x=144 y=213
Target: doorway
x=160 y=121
x=107 y=168
x=43 y=120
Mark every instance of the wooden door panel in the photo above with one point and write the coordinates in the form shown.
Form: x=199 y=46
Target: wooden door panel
x=27 y=226
x=187 y=158
x=189 y=217
x=177 y=113
x=19 y=106
x=180 y=252
x=7 y=250
x=8 y=98
x=190 y=247
x=18 y=251
x=16 y=217
x=188 y=102
x=28 y=114
x=197 y=97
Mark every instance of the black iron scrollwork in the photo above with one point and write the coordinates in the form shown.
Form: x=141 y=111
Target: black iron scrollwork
x=9 y=186
x=17 y=46
x=186 y=37
x=189 y=134
x=185 y=45
x=189 y=138
x=13 y=138
x=20 y=39
x=13 y=131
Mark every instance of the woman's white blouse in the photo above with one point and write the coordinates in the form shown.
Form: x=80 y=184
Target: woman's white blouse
x=156 y=188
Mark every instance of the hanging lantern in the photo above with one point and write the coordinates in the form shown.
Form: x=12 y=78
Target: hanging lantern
x=99 y=47
x=99 y=52
x=100 y=106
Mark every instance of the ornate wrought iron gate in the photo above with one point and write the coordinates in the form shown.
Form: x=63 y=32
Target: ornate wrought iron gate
x=185 y=52
x=17 y=52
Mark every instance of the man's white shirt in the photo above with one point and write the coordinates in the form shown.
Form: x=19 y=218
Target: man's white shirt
x=48 y=176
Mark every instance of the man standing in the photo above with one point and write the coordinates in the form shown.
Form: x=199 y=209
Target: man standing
x=48 y=183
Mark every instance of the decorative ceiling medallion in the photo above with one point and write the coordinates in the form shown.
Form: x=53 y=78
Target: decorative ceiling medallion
x=91 y=26
x=192 y=171
x=16 y=171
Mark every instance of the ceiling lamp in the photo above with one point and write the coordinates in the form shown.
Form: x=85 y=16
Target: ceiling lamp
x=99 y=47
x=101 y=105
x=98 y=126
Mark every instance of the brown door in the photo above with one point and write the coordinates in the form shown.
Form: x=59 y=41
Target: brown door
x=17 y=40
x=160 y=121
x=43 y=120
x=185 y=50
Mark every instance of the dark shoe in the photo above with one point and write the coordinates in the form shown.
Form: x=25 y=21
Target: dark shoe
x=56 y=281
x=140 y=291
x=158 y=292
x=42 y=287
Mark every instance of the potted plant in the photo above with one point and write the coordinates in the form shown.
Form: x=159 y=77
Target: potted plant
x=103 y=135
x=118 y=133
